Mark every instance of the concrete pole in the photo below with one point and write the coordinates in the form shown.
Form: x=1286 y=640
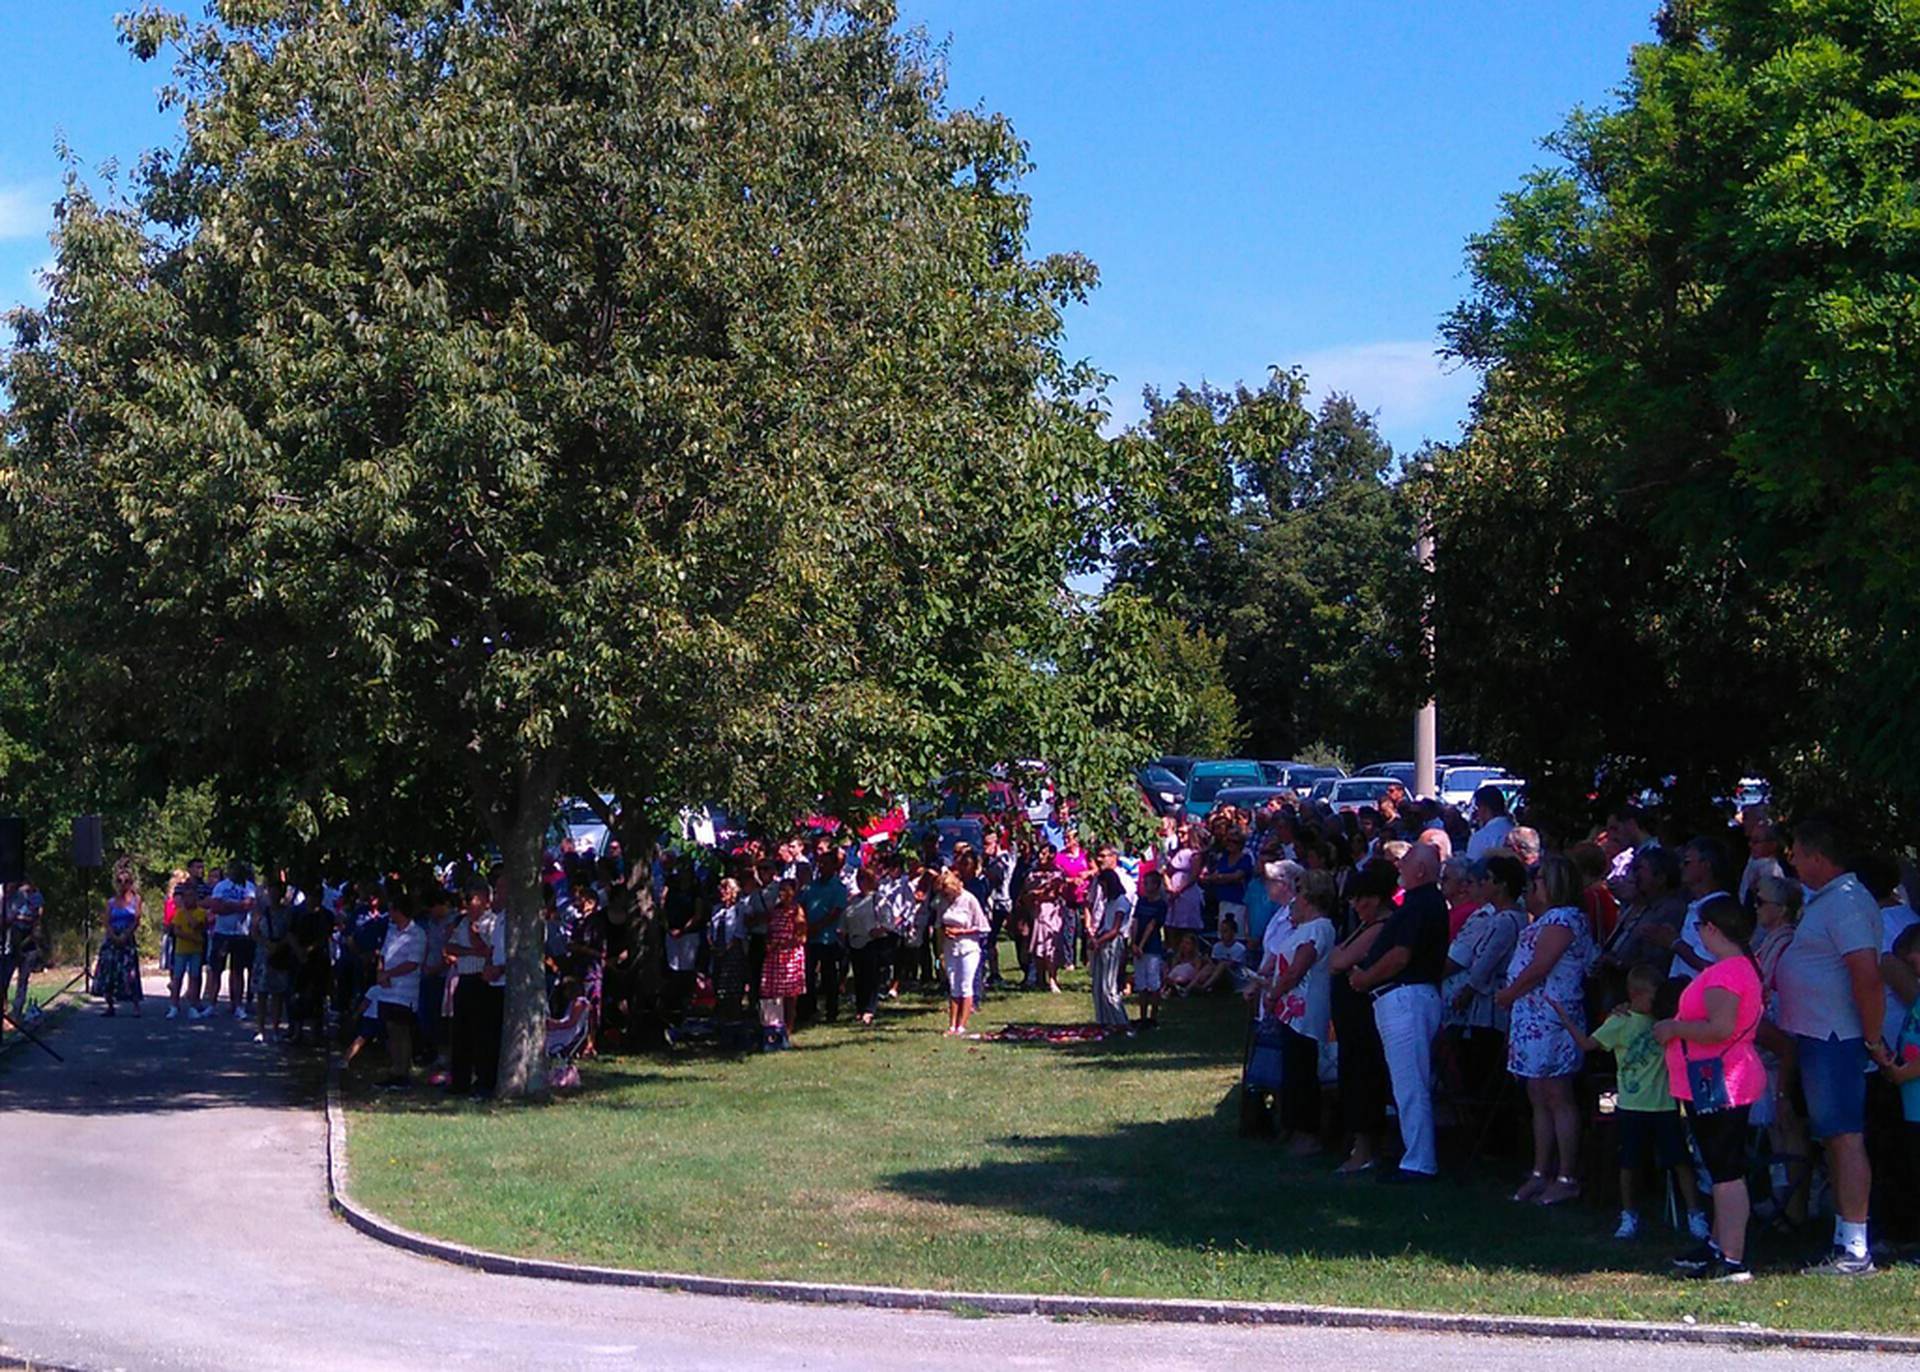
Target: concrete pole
x=1426 y=722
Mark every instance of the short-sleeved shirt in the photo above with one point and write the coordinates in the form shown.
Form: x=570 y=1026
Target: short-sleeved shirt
x=825 y=902
x=1240 y=871
x=1308 y=1007
x=402 y=946
x=1816 y=990
x=190 y=930
x=1739 y=1059
x=1908 y=1037
x=1894 y=921
x=233 y=922
x=1639 y=1058
x=1151 y=916
x=1419 y=925
x=1188 y=910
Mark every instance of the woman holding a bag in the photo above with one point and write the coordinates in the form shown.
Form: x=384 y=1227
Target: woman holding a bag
x=1715 y=1071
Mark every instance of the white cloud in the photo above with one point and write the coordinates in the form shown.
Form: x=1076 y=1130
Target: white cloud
x=1416 y=392
x=24 y=212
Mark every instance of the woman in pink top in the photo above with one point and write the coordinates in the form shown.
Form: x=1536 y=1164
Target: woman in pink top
x=1715 y=1070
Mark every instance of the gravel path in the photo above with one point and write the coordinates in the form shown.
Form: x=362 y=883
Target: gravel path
x=164 y=1207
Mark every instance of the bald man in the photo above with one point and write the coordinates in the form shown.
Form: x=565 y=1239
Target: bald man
x=1402 y=973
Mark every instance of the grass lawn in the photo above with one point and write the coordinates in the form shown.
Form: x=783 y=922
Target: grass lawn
x=895 y=1155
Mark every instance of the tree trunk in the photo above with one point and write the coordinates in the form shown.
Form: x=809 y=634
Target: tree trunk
x=523 y=1035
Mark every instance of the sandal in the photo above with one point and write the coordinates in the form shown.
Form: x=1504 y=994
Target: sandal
x=1531 y=1187
x=1557 y=1192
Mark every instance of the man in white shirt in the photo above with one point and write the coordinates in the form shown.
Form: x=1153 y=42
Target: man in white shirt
x=1705 y=870
x=231 y=946
x=1491 y=823
x=396 y=992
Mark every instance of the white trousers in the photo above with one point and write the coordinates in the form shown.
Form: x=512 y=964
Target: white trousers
x=1408 y=1018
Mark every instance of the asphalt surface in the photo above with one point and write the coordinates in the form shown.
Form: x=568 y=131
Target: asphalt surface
x=162 y=1205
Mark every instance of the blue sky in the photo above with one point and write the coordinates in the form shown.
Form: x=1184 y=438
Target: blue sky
x=1260 y=181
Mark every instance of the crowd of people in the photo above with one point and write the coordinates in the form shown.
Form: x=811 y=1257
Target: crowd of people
x=1727 y=1025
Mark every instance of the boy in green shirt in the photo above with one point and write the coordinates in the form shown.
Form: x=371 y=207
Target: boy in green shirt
x=1648 y=1119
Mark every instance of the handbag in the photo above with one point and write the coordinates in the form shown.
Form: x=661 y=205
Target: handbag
x=1264 y=1057
x=1707 y=1082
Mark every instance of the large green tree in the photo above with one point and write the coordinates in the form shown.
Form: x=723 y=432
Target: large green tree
x=1281 y=532
x=494 y=399
x=1693 y=472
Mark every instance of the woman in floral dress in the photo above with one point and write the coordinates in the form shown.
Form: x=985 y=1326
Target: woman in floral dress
x=1549 y=964
x=783 y=976
x=116 y=971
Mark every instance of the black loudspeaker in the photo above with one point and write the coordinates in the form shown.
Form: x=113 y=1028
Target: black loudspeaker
x=13 y=849
x=89 y=842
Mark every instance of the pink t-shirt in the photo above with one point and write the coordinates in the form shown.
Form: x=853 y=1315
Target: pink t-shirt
x=1746 y=1074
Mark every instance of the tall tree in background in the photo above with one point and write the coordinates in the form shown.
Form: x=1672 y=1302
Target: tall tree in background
x=1695 y=466
x=1279 y=530
x=492 y=399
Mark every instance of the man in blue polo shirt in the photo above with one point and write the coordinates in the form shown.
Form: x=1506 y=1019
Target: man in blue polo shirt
x=825 y=901
x=1833 y=1002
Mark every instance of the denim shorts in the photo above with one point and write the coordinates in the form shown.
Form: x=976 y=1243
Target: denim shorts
x=187 y=964
x=1833 y=1073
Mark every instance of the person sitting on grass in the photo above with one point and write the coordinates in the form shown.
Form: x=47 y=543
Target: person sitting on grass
x=569 y=1035
x=1188 y=964
x=1227 y=968
x=1650 y=1128
x=1149 y=952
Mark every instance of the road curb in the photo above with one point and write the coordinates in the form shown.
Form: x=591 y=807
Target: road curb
x=1066 y=1307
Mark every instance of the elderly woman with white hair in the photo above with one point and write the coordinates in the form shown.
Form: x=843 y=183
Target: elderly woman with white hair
x=1282 y=880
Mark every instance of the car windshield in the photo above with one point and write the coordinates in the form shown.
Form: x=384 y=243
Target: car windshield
x=1468 y=778
x=581 y=813
x=1303 y=776
x=1160 y=779
x=1361 y=788
x=1207 y=787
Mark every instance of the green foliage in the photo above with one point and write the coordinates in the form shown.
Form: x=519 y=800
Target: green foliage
x=491 y=400
x=1692 y=476
x=1279 y=532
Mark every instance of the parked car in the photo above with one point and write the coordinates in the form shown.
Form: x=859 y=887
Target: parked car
x=1209 y=778
x=1323 y=788
x=1165 y=792
x=580 y=822
x=1303 y=777
x=1457 y=784
x=1401 y=772
x=1350 y=794
x=1181 y=767
x=1250 y=797
x=1274 y=771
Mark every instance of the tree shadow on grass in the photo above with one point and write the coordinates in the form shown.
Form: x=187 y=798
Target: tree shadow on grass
x=1194 y=1185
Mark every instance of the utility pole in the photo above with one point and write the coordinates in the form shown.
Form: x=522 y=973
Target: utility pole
x=1426 y=721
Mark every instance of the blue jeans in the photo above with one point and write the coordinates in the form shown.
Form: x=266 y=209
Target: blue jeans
x=1833 y=1072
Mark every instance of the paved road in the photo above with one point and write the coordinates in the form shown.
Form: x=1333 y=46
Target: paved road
x=162 y=1206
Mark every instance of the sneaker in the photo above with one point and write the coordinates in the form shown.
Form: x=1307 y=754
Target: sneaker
x=1726 y=1270
x=1531 y=1187
x=173 y=1012
x=260 y=1038
x=1840 y=1263
x=1697 y=1225
x=1696 y=1260
x=1629 y=1226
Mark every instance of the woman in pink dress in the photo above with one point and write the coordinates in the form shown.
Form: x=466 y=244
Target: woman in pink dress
x=783 y=976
